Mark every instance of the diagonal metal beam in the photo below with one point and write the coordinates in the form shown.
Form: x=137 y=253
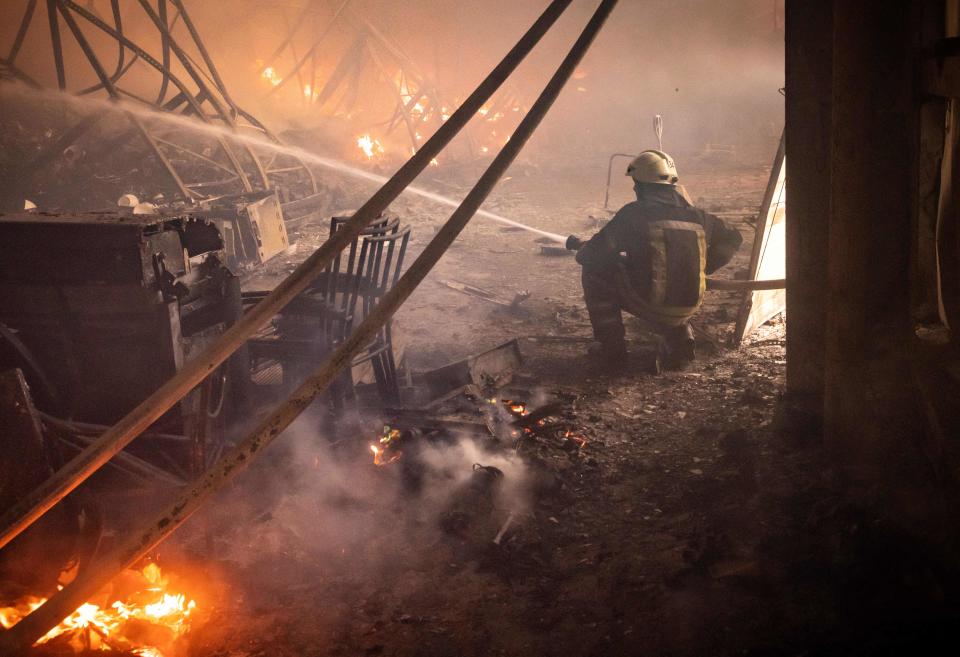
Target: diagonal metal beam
x=81 y=467
x=136 y=544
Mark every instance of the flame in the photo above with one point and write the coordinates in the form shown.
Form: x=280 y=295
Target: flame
x=307 y=91
x=92 y=627
x=516 y=407
x=270 y=74
x=577 y=438
x=434 y=162
x=388 y=450
x=370 y=146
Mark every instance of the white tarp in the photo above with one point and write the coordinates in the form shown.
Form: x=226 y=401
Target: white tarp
x=768 y=260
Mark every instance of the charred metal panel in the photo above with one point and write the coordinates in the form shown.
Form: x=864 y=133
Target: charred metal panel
x=105 y=303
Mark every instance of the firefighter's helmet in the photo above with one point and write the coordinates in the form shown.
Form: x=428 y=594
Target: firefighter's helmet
x=653 y=167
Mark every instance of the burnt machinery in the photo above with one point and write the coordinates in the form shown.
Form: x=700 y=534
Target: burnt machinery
x=100 y=309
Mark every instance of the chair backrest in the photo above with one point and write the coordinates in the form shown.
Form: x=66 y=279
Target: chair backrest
x=343 y=274
x=385 y=223
x=382 y=257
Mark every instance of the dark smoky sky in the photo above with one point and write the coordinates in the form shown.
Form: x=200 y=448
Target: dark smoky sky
x=712 y=69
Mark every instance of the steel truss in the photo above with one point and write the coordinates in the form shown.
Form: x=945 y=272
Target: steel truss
x=201 y=165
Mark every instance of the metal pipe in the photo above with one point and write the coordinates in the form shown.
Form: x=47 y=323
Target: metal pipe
x=310 y=52
x=78 y=469
x=142 y=54
x=188 y=65
x=136 y=544
x=21 y=31
x=55 y=42
x=741 y=286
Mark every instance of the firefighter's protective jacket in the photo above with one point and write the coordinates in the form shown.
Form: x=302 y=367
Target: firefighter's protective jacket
x=664 y=247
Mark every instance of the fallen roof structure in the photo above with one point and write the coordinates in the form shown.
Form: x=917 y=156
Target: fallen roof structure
x=130 y=549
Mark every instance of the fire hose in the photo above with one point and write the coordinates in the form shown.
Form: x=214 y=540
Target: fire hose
x=134 y=544
x=82 y=466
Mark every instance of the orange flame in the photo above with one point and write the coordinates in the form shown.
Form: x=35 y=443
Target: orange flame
x=388 y=450
x=92 y=627
x=270 y=75
x=370 y=146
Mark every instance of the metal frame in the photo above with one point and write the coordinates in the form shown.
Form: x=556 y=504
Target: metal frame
x=408 y=89
x=136 y=543
x=195 y=163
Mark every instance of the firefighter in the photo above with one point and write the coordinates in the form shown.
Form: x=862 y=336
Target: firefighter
x=651 y=260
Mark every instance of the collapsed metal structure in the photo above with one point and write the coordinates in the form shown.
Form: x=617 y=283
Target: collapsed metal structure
x=409 y=89
x=418 y=102
x=135 y=544
x=200 y=166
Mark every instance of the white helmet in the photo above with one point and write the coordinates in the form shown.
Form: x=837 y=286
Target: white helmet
x=653 y=167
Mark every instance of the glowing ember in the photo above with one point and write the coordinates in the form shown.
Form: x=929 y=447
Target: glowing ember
x=515 y=407
x=388 y=450
x=371 y=147
x=147 y=622
x=270 y=75
x=434 y=162
x=577 y=438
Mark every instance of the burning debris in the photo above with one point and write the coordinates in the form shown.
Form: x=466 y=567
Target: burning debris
x=462 y=455
x=139 y=614
x=270 y=74
x=388 y=448
x=370 y=147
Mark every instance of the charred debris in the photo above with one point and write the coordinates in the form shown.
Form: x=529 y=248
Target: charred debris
x=295 y=357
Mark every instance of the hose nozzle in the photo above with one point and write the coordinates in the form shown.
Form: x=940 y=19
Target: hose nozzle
x=573 y=243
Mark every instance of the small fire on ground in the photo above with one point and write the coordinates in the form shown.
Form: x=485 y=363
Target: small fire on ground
x=388 y=448
x=519 y=411
x=147 y=620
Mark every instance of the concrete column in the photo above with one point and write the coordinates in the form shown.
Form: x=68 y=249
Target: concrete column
x=868 y=407
x=809 y=89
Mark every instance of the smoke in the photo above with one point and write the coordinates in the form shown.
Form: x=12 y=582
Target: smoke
x=320 y=504
x=711 y=69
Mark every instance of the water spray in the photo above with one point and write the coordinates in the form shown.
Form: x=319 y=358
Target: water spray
x=259 y=141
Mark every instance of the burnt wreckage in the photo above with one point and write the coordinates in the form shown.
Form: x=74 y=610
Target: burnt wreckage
x=136 y=325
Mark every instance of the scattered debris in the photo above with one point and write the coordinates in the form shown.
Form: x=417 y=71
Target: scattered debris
x=487 y=295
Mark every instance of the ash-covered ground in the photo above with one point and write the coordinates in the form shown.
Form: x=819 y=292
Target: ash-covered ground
x=691 y=522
